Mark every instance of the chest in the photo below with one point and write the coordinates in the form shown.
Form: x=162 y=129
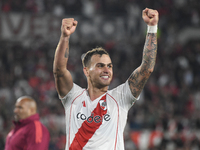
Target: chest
x=104 y=111
x=17 y=139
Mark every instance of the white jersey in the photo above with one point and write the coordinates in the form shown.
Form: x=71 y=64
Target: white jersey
x=98 y=124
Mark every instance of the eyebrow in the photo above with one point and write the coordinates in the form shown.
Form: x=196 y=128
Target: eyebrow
x=104 y=64
x=16 y=106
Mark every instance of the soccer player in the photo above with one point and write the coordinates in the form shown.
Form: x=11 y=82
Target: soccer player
x=28 y=133
x=96 y=116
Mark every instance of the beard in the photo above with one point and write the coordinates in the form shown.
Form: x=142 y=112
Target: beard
x=16 y=117
x=96 y=82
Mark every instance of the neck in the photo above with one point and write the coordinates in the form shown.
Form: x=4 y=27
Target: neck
x=95 y=92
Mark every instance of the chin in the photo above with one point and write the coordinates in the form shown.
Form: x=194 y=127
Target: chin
x=16 y=118
x=106 y=84
x=100 y=86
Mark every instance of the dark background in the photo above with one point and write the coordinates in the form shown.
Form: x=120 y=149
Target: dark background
x=168 y=109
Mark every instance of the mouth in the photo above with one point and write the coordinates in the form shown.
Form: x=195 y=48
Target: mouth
x=16 y=117
x=105 y=77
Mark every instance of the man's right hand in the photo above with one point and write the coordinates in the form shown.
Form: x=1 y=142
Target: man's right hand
x=68 y=26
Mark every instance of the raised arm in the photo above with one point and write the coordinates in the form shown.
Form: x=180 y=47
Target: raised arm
x=63 y=78
x=140 y=76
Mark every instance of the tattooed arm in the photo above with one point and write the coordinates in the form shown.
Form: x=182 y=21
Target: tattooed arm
x=63 y=78
x=140 y=76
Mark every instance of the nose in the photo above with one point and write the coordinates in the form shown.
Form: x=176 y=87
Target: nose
x=15 y=110
x=106 y=69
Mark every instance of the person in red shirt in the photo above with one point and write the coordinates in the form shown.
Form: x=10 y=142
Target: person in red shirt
x=28 y=132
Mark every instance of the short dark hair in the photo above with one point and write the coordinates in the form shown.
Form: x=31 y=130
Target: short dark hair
x=96 y=51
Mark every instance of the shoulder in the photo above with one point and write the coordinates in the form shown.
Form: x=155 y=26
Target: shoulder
x=122 y=94
x=119 y=90
x=74 y=93
x=76 y=90
x=35 y=126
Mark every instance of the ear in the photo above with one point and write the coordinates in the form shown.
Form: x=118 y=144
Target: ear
x=86 y=71
x=32 y=111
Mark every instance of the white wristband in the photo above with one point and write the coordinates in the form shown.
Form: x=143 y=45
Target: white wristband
x=152 y=29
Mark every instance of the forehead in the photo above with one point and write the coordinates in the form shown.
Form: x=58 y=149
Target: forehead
x=100 y=59
x=21 y=102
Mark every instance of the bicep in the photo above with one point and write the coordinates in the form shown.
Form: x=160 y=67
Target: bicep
x=64 y=83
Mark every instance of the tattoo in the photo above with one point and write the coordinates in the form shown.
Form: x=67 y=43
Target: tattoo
x=139 y=77
x=150 y=51
x=136 y=86
x=67 y=53
x=134 y=78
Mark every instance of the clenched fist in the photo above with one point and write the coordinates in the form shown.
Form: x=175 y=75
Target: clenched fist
x=68 y=26
x=150 y=16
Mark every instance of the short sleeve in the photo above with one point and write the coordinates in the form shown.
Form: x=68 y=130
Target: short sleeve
x=123 y=95
x=73 y=93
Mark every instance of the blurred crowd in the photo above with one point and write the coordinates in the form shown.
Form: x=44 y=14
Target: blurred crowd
x=170 y=101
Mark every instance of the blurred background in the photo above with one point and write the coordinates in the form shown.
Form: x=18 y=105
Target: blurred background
x=167 y=116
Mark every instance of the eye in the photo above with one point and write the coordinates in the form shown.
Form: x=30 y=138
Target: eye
x=100 y=65
x=110 y=66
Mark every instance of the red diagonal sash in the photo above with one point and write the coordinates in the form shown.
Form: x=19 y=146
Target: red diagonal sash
x=88 y=127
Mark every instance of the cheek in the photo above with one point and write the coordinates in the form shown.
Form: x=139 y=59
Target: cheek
x=111 y=71
x=22 y=112
x=90 y=71
x=93 y=70
x=92 y=74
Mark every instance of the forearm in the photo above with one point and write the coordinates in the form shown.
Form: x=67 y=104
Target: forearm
x=149 y=54
x=139 y=77
x=61 y=56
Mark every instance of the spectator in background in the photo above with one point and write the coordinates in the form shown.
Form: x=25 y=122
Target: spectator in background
x=29 y=133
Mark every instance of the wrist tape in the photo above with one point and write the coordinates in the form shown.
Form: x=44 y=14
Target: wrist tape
x=152 y=29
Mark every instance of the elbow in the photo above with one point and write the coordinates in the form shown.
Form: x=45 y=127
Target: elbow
x=59 y=67
x=147 y=68
x=57 y=72
x=150 y=70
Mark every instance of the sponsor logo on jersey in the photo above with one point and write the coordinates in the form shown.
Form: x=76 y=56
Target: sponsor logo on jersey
x=84 y=105
x=92 y=117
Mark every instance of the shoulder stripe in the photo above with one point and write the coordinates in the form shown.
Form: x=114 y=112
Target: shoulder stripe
x=38 y=132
